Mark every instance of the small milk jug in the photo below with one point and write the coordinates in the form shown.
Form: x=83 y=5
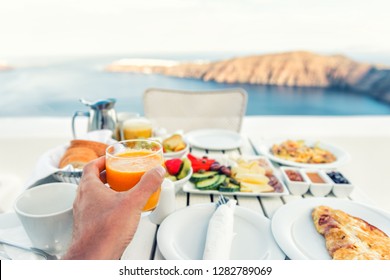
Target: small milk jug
x=101 y=115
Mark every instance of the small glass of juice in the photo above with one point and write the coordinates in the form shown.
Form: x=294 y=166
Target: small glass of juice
x=137 y=128
x=128 y=160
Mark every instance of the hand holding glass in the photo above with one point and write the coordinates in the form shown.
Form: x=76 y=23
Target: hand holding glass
x=127 y=161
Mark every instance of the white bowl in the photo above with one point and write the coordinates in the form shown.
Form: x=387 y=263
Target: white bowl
x=178 y=154
x=340 y=190
x=295 y=187
x=180 y=183
x=318 y=189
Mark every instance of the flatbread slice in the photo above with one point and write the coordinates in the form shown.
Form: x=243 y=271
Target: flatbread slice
x=350 y=238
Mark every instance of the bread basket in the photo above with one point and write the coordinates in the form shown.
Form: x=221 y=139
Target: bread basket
x=68 y=176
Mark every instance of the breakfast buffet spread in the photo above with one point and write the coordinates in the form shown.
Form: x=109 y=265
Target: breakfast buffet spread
x=286 y=167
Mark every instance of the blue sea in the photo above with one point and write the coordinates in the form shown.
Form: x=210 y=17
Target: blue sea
x=53 y=86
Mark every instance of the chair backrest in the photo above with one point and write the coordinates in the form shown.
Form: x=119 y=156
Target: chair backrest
x=190 y=110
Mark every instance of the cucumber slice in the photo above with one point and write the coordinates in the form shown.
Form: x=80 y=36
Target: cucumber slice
x=233 y=181
x=197 y=177
x=229 y=188
x=220 y=181
x=208 y=184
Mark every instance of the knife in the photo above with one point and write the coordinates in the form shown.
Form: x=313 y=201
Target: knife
x=255 y=151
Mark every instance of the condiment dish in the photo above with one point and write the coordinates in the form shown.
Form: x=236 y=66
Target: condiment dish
x=341 y=190
x=295 y=187
x=319 y=185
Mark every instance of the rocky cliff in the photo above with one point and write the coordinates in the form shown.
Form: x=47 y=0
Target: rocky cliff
x=298 y=69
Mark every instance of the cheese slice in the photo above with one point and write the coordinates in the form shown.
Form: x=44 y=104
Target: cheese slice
x=257 y=188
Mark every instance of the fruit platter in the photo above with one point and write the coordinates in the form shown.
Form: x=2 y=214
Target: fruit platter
x=240 y=175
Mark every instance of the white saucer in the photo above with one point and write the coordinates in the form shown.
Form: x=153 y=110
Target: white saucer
x=11 y=230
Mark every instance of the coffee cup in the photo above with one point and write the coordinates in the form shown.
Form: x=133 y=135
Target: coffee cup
x=46 y=214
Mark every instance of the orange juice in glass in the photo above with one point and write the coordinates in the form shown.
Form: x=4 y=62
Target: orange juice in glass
x=137 y=128
x=127 y=161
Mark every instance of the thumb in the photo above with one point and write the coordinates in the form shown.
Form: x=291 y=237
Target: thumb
x=148 y=184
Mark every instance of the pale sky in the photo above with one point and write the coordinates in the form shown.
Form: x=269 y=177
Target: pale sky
x=69 y=27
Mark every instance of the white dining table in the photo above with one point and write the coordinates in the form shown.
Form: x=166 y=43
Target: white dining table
x=366 y=139
x=145 y=244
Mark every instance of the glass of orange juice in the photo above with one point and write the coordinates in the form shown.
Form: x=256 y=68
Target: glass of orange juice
x=128 y=160
x=137 y=128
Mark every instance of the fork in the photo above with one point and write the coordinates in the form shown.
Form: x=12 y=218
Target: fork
x=221 y=200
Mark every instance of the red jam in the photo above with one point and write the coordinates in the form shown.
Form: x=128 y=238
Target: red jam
x=294 y=176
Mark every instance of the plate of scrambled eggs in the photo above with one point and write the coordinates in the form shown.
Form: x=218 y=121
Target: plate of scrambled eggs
x=304 y=153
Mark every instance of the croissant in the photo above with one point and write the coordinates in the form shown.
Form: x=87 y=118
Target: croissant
x=98 y=147
x=80 y=152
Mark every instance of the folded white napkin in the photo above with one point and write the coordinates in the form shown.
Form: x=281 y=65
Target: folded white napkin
x=220 y=233
x=16 y=234
x=48 y=163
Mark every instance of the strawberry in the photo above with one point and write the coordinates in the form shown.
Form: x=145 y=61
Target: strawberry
x=173 y=166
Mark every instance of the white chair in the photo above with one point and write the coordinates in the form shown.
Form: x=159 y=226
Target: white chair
x=190 y=110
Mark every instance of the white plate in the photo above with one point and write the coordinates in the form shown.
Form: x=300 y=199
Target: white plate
x=225 y=160
x=214 y=139
x=294 y=231
x=341 y=155
x=182 y=235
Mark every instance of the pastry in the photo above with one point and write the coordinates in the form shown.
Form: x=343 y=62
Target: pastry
x=80 y=152
x=77 y=157
x=98 y=147
x=350 y=238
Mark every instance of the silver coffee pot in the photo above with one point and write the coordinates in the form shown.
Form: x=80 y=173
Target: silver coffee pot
x=101 y=115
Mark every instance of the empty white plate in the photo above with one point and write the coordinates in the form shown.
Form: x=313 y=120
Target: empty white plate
x=182 y=235
x=214 y=139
